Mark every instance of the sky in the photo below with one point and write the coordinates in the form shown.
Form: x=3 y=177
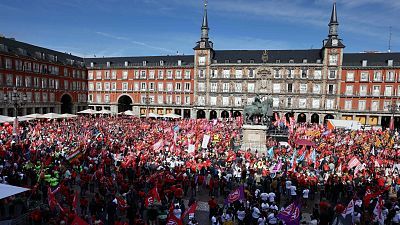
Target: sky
x=108 y=28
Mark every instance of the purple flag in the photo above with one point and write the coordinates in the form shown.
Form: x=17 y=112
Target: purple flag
x=235 y=195
x=290 y=215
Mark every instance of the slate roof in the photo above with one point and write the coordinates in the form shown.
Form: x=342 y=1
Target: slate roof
x=373 y=59
x=18 y=48
x=138 y=61
x=273 y=55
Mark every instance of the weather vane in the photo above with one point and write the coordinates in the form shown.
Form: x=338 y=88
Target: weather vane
x=205 y=3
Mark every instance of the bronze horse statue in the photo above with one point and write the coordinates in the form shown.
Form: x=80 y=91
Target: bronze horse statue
x=258 y=112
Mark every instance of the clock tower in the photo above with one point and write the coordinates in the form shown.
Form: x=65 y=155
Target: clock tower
x=202 y=60
x=332 y=51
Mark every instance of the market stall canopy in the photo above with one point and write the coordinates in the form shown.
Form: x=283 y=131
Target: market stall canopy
x=35 y=116
x=151 y=115
x=4 y=119
x=105 y=111
x=87 y=111
x=9 y=190
x=343 y=124
x=172 y=116
x=52 y=116
x=67 y=115
x=304 y=142
x=129 y=113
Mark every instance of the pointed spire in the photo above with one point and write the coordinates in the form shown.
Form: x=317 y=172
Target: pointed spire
x=333 y=24
x=204 y=25
x=334 y=15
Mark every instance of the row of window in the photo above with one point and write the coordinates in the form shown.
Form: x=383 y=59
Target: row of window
x=142 y=74
x=33 y=97
x=38 y=82
x=376 y=76
x=202 y=60
x=27 y=66
x=151 y=86
x=375 y=90
x=362 y=105
x=278 y=73
x=303 y=88
x=239 y=102
x=150 y=99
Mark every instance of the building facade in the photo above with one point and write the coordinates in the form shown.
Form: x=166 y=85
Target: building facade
x=370 y=88
x=159 y=84
x=302 y=83
x=52 y=81
x=311 y=84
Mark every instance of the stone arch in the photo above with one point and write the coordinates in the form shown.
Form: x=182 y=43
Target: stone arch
x=288 y=115
x=213 y=114
x=327 y=117
x=225 y=114
x=315 y=118
x=124 y=103
x=237 y=114
x=201 y=114
x=66 y=103
x=301 y=118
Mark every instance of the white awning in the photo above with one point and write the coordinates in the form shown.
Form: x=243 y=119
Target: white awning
x=9 y=190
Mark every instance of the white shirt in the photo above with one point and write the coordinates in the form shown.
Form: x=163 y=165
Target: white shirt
x=271 y=197
x=272 y=219
x=305 y=193
x=396 y=218
x=264 y=196
x=261 y=221
x=288 y=184
x=241 y=214
x=293 y=190
x=256 y=213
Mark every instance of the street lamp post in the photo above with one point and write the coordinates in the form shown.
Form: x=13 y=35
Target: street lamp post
x=393 y=108
x=17 y=100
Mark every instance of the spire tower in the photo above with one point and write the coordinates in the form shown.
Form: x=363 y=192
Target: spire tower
x=333 y=24
x=204 y=42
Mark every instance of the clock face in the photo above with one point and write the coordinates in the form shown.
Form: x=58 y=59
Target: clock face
x=202 y=45
x=334 y=42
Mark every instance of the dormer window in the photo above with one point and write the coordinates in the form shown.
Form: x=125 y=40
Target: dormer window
x=108 y=64
x=161 y=63
x=251 y=60
x=126 y=63
x=364 y=63
x=390 y=62
x=318 y=60
x=291 y=61
x=92 y=64
x=239 y=61
x=215 y=61
x=144 y=63
x=179 y=62
x=43 y=56
x=278 y=61
x=304 y=60
x=56 y=59
x=38 y=55
x=226 y=60
x=22 y=51
x=3 y=47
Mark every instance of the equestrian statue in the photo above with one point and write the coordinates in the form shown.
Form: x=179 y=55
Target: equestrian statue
x=259 y=112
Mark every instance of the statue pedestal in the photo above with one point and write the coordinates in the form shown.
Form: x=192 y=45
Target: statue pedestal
x=254 y=138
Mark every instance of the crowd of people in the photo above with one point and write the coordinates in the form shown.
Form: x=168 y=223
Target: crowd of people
x=126 y=170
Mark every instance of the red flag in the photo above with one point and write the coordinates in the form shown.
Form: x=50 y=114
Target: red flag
x=190 y=210
x=172 y=220
x=79 y=221
x=353 y=162
x=122 y=204
x=152 y=197
x=75 y=201
x=391 y=127
x=51 y=199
